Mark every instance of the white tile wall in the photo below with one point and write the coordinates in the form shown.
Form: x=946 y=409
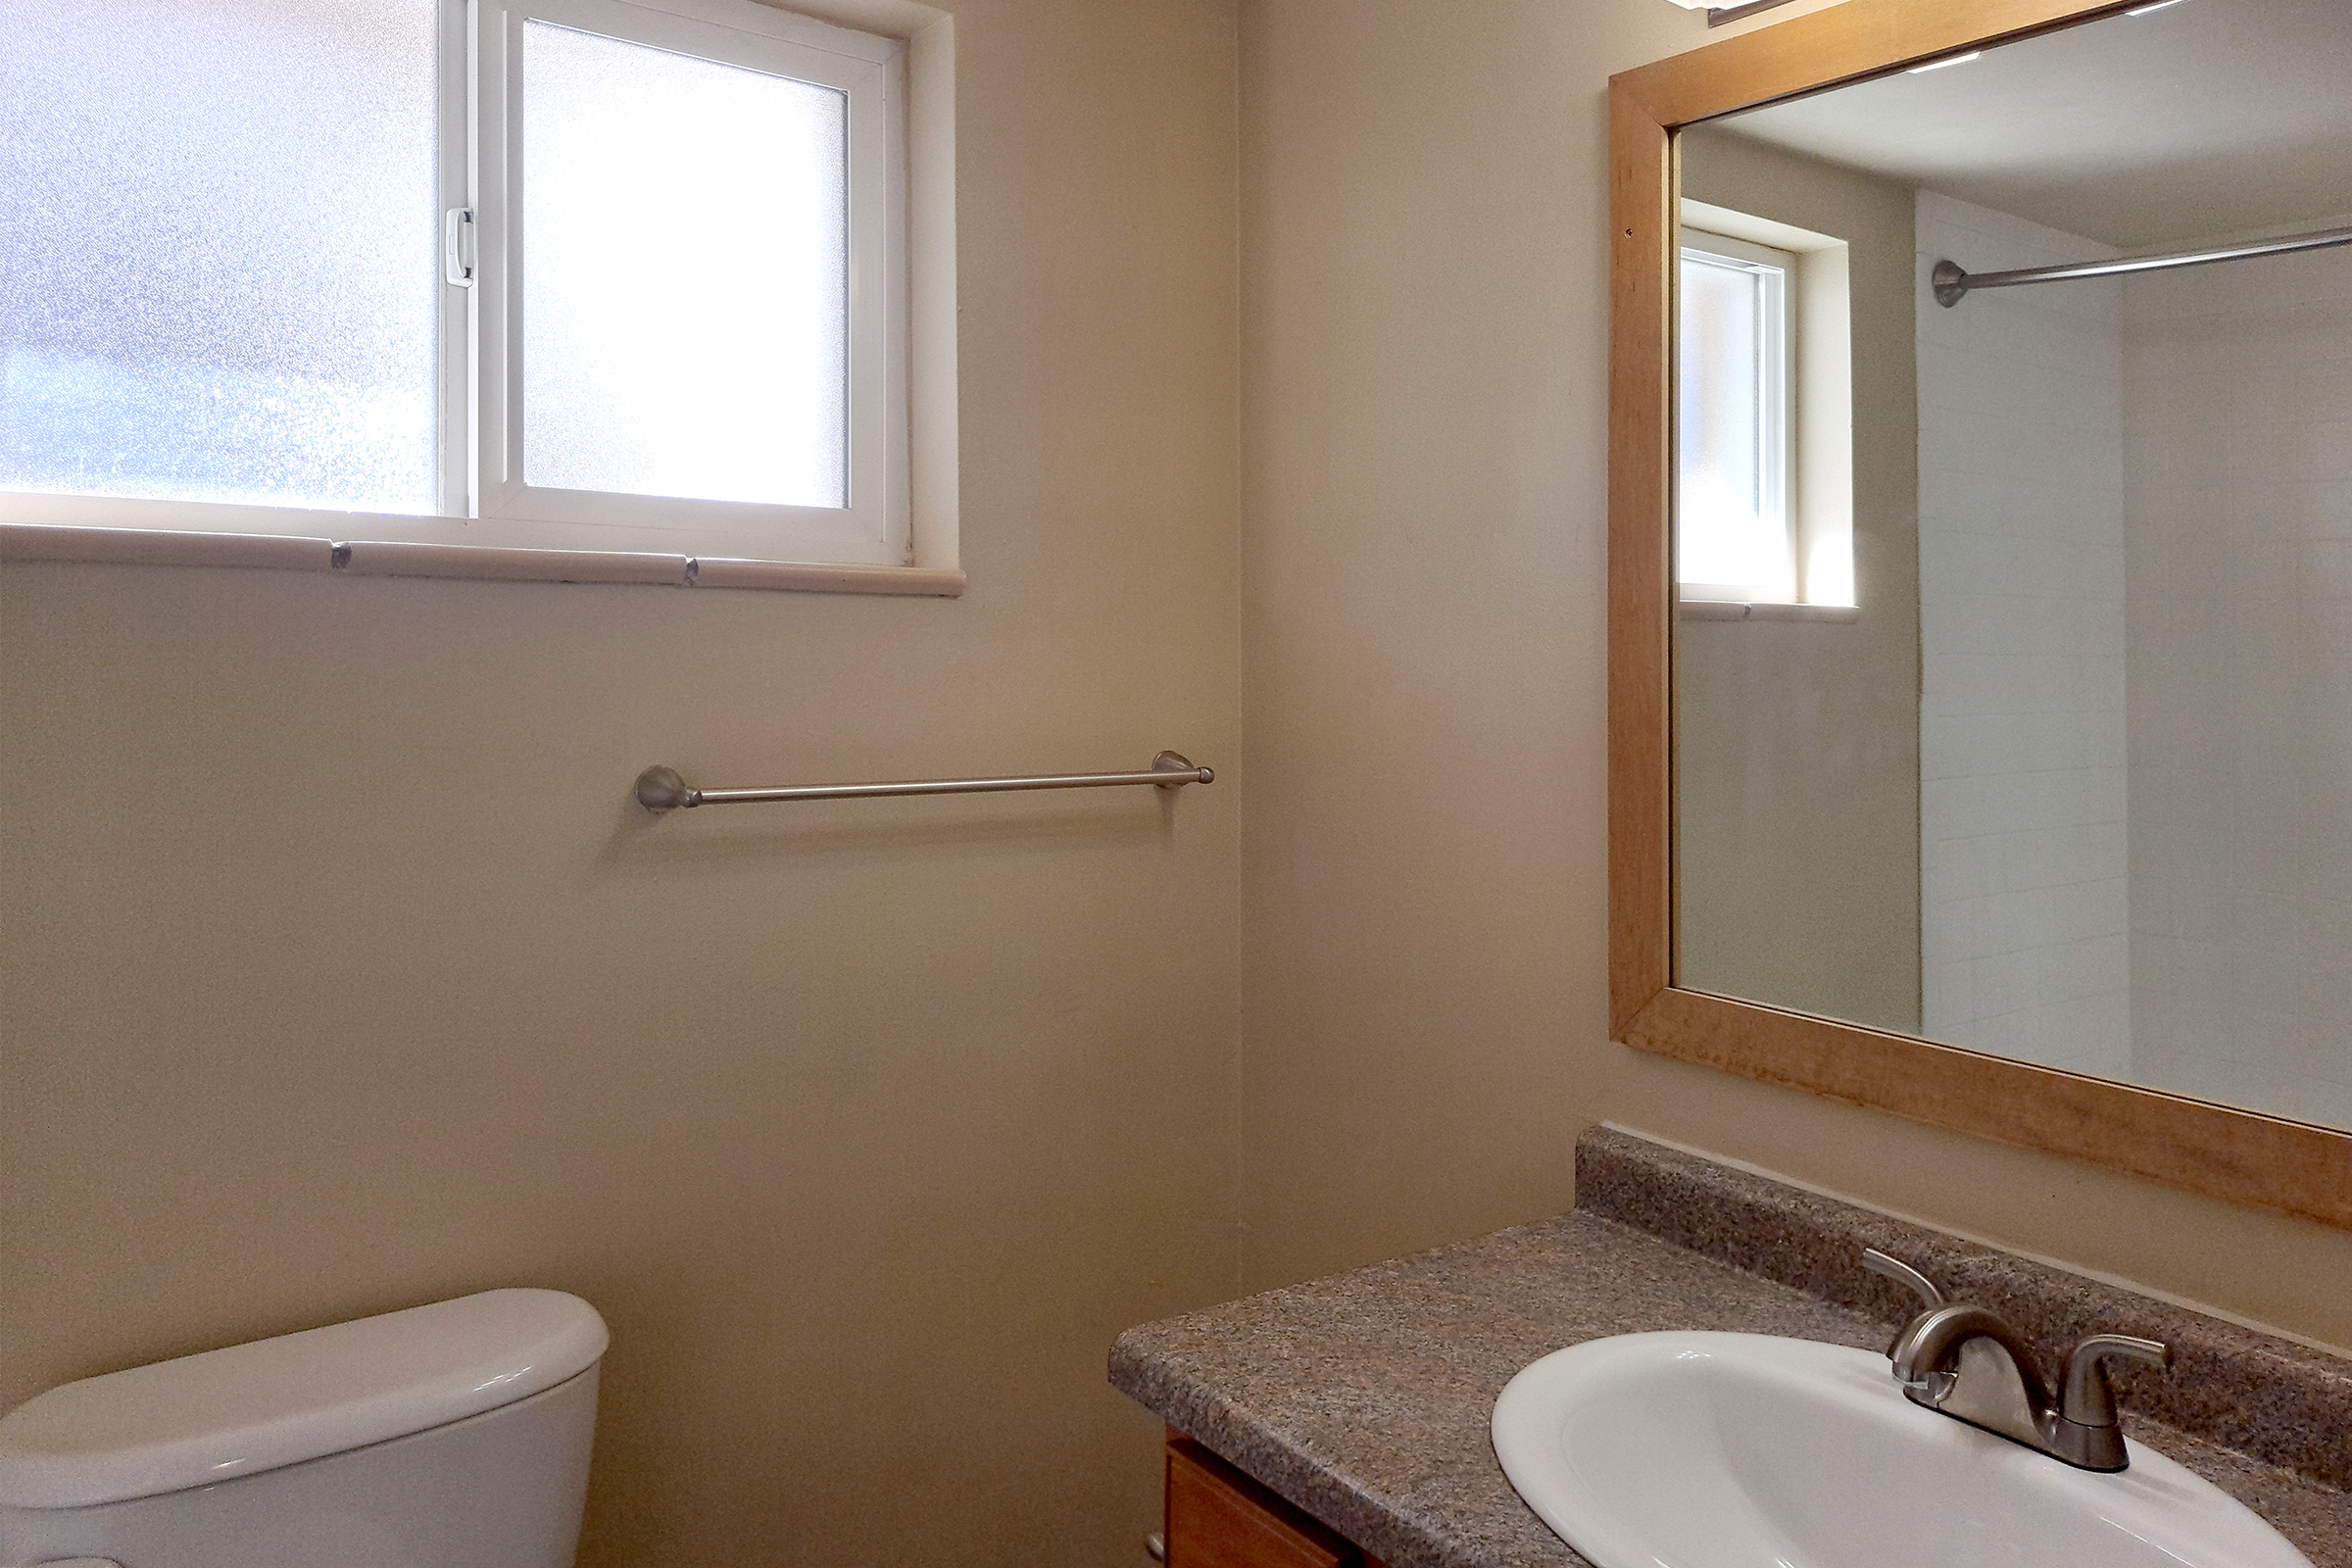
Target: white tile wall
x=2238 y=435
x=2188 y=435
x=2026 y=944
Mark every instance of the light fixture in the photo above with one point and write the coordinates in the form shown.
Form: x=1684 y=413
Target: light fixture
x=1938 y=65
x=2141 y=10
x=1717 y=15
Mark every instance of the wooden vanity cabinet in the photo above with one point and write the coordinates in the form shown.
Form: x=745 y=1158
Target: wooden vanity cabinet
x=1220 y=1518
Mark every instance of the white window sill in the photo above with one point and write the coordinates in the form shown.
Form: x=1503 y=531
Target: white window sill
x=1735 y=609
x=155 y=547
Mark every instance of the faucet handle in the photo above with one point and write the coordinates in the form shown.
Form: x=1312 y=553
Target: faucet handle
x=2085 y=1398
x=1903 y=1274
x=1894 y=1268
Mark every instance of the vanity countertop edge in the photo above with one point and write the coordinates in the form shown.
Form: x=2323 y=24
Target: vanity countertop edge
x=1363 y=1398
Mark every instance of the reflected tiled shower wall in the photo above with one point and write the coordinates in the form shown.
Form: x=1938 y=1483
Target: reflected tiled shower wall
x=2024 y=908
x=2238 y=435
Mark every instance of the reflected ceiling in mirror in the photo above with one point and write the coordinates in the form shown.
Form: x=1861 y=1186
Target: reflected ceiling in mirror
x=2012 y=671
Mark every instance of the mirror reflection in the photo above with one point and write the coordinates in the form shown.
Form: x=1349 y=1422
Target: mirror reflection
x=2014 y=658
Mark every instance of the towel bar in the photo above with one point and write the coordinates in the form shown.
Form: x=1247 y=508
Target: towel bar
x=661 y=789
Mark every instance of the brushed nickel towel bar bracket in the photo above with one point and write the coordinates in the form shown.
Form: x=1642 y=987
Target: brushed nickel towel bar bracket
x=1953 y=283
x=660 y=789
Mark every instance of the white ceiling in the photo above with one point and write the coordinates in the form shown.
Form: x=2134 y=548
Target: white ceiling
x=2206 y=117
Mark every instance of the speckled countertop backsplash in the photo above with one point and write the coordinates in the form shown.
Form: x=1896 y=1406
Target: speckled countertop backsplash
x=1363 y=1398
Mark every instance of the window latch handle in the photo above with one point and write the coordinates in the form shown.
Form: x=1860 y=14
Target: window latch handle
x=457 y=246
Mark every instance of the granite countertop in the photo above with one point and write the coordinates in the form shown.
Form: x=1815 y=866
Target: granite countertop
x=1363 y=1398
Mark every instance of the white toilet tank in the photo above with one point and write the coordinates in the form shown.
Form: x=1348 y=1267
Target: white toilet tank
x=451 y=1436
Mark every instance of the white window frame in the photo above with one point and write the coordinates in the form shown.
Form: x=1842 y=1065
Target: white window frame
x=900 y=533
x=873 y=529
x=1775 y=398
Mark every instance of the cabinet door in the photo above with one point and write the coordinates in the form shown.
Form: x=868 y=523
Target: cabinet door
x=1220 y=1518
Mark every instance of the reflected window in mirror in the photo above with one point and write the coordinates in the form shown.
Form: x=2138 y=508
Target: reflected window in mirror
x=1765 y=420
x=1738 y=399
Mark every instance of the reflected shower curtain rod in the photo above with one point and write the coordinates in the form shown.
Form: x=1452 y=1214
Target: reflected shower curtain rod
x=1953 y=283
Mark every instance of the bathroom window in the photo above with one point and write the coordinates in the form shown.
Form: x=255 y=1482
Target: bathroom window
x=1765 y=437
x=571 y=274
x=1736 y=538
x=217 y=270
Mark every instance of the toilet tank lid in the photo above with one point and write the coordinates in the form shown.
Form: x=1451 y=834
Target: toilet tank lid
x=254 y=1407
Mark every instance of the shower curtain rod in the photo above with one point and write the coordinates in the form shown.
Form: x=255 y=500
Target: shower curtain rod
x=1953 y=283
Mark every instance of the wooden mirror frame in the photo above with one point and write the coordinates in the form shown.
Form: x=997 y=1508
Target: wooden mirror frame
x=2237 y=1154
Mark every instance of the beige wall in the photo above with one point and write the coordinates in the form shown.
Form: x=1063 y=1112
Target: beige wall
x=1796 y=743
x=341 y=976
x=1424 y=332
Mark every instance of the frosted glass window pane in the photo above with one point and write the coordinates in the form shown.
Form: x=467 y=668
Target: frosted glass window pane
x=1730 y=531
x=218 y=240
x=685 y=285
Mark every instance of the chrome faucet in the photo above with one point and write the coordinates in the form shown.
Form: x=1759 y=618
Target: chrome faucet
x=1965 y=1362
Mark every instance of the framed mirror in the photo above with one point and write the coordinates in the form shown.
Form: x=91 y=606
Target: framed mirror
x=1980 y=575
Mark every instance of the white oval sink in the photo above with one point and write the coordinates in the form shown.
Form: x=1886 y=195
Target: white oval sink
x=1741 y=1451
